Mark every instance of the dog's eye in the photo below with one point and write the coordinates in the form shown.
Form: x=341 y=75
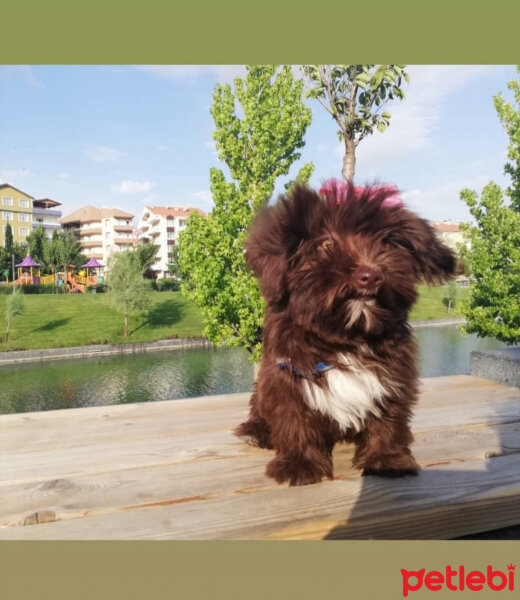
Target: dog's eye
x=327 y=245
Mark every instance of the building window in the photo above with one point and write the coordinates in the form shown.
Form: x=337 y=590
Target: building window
x=182 y=222
x=24 y=231
x=24 y=217
x=170 y=222
x=7 y=215
x=23 y=202
x=171 y=235
x=107 y=235
x=7 y=201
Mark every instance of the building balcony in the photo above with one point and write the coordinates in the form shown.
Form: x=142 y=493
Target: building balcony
x=46 y=212
x=91 y=244
x=124 y=241
x=46 y=225
x=91 y=231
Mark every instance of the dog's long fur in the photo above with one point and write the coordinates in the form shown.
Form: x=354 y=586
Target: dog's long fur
x=308 y=252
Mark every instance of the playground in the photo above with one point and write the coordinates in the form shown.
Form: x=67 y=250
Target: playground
x=28 y=272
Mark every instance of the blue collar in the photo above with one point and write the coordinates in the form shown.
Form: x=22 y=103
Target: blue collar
x=319 y=368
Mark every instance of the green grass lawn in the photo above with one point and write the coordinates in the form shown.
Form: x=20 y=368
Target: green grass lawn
x=52 y=321
x=430 y=305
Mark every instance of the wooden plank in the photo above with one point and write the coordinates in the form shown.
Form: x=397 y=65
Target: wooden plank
x=101 y=493
x=436 y=387
x=226 y=412
x=478 y=495
x=164 y=447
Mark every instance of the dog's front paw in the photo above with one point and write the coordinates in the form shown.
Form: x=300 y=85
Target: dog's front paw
x=300 y=470
x=256 y=432
x=391 y=465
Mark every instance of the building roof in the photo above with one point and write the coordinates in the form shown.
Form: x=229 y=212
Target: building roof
x=46 y=203
x=8 y=185
x=93 y=213
x=446 y=227
x=174 y=211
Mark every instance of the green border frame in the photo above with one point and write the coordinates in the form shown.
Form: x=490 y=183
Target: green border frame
x=232 y=32
x=235 y=31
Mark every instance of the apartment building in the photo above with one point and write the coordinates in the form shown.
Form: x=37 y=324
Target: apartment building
x=101 y=231
x=16 y=210
x=46 y=215
x=161 y=225
x=449 y=233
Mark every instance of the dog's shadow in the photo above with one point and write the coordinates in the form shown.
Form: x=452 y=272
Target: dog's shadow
x=441 y=499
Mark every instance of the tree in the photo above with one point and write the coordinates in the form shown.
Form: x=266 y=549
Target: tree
x=37 y=243
x=15 y=307
x=8 y=245
x=63 y=250
x=493 y=252
x=354 y=96
x=451 y=295
x=146 y=254
x=127 y=290
x=259 y=128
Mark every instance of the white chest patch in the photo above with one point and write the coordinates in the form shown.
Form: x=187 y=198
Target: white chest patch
x=349 y=397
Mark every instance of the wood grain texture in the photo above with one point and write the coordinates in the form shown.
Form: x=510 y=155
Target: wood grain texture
x=173 y=470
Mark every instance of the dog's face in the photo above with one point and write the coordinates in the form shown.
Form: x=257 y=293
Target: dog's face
x=344 y=262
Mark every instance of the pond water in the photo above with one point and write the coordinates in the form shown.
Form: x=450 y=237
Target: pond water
x=170 y=375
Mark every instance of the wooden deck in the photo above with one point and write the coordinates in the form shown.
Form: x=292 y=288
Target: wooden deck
x=173 y=470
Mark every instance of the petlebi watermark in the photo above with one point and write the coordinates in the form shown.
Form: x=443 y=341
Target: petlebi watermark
x=459 y=579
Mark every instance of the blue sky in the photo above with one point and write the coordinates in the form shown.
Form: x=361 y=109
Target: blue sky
x=127 y=136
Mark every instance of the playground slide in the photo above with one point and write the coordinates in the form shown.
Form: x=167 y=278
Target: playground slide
x=78 y=286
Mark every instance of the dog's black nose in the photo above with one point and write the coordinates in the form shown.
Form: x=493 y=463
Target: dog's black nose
x=368 y=278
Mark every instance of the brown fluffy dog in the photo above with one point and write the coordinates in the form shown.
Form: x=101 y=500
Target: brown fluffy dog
x=338 y=272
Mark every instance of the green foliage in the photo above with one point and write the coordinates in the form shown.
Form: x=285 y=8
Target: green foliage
x=128 y=291
x=146 y=255
x=450 y=298
x=493 y=252
x=8 y=245
x=15 y=306
x=259 y=128
x=510 y=118
x=493 y=309
x=36 y=244
x=354 y=95
x=63 y=250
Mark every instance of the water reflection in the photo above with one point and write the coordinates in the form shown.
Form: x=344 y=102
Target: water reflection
x=183 y=374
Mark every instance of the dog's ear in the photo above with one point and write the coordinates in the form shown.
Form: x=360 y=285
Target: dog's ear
x=275 y=235
x=433 y=261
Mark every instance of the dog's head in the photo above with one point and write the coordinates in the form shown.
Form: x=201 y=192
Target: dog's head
x=346 y=260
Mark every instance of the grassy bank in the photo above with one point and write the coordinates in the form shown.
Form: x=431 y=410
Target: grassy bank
x=52 y=321
x=430 y=304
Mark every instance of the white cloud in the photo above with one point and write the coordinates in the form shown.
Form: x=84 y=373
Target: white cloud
x=128 y=186
x=414 y=120
x=443 y=202
x=104 y=154
x=162 y=147
x=223 y=73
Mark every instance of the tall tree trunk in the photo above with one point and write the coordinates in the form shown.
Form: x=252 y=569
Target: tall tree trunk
x=349 y=161
x=125 y=332
x=7 y=331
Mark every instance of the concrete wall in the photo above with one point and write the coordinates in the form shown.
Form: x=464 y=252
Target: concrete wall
x=498 y=365
x=99 y=350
